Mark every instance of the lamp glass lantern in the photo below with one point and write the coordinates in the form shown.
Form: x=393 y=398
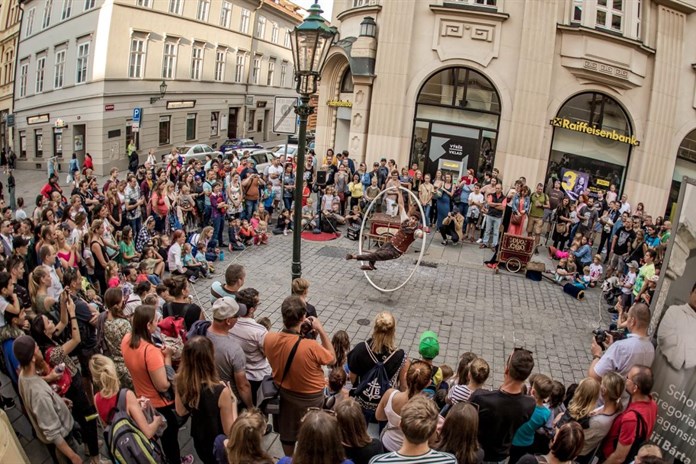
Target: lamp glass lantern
x=310 y=43
x=368 y=27
x=163 y=89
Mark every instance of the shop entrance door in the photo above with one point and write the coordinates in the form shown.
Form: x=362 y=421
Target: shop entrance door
x=232 y=124
x=452 y=149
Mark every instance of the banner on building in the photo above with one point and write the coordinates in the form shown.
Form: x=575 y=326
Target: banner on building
x=574 y=182
x=674 y=328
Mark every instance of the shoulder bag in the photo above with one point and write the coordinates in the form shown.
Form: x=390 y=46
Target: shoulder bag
x=269 y=390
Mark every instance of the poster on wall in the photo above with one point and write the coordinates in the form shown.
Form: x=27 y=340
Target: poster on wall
x=574 y=182
x=674 y=315
x=78 y=143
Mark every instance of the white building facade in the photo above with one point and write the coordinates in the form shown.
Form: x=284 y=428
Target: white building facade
x=603 y=89
x=83 y=66
x=9 y=34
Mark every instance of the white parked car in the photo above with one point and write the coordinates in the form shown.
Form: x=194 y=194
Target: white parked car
x=198 y=152
x=280 y=150
x=262 y=159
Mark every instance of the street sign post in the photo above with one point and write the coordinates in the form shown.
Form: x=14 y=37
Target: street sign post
x=284 y=120
x=137 y=113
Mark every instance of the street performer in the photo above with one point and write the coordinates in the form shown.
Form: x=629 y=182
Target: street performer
x=408 y=232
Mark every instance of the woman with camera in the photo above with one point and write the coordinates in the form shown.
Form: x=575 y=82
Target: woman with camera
x=302 y=385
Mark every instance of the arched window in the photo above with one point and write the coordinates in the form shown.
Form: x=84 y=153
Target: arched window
x=592 y=138
x=684 y=166
x=456 y=123
x=347 y=82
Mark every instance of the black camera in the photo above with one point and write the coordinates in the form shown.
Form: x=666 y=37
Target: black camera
x=306 y=330
x=600 y=336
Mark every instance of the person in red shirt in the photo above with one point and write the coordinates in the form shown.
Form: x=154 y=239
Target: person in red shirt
x=634 y=426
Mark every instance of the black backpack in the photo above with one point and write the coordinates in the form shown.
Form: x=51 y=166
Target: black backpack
x=640 y=438
x=375 y=382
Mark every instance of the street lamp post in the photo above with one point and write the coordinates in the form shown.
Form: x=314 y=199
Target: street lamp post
x=310 y=42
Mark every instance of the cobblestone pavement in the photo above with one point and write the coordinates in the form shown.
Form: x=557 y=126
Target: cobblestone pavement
x=466 y=304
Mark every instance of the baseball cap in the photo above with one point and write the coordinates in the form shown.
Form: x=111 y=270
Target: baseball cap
x=23 y=349
x=227 y=307
x=429 y=346
x=633 y=264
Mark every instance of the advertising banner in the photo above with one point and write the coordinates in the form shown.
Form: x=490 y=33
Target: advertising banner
x=674 y=315
x=574 y=182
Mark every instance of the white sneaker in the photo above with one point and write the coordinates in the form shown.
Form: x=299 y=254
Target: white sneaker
x=285 y=232
x=479 y=241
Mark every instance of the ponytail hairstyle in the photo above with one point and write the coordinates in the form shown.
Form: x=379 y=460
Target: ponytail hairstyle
x=35 y=278
x=341 y=345
x=418 y=377
x=113 y=301
x=244 y=445
x=104 y=375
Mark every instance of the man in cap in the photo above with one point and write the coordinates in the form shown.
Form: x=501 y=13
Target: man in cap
x=48 y=413
x=407 y=234
x=229 y=356
x=429 y=348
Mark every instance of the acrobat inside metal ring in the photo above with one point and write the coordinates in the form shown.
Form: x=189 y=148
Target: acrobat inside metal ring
x=362 y=230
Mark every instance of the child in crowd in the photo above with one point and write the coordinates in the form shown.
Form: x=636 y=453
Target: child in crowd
x=308 y=212
x=583 y=281
x=268 y=197
x=162 y=244
x=254 y=221
x=477 y=373
x=562 y=274
x=261 y=237
x=246 y=233
x=153 y=262
x=143 y=275
x=192 y=263
x=284 y=222
x=596 y=270
x=355 y=217
x=627 y=283
x=233 y=235
x=266 y=322
x=523 y=439
x=263 y=214
x=429 y=348
x=201 y=256
x=112 y=274
x=555 y=404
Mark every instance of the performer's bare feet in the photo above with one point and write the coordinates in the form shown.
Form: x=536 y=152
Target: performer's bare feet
x=367 y=267
x=350 y=256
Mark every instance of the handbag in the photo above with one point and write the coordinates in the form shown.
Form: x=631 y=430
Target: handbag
x=561 y=228
x=269 y=390
x=516 y=219
x=168 y=395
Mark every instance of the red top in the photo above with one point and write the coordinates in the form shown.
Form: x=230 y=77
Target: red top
x=624 y=426
x=105 y=406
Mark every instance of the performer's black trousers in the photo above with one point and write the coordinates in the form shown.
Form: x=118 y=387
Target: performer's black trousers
x=383 y=253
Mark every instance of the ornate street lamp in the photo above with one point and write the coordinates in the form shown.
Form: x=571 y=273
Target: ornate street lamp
x=310 y=42
x=163 y=91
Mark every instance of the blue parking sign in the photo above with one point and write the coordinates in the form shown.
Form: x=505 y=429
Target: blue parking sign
x=137 y=112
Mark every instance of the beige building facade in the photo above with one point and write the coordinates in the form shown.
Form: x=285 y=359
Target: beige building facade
x=596 y=92
x=9 y=34
x=87 y=68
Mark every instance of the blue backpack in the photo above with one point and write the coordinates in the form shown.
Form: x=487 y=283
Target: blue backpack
x=374 y=384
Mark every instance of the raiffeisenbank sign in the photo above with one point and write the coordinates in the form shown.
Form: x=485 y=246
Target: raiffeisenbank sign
x=582 y=126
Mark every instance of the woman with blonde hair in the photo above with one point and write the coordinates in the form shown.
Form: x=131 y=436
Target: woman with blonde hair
x=581 y=406
x=380 y=347
x=245 y=442
x=417 y=378
x=199 y=392
x=106 y=382
x=39 y=282
x=602 y=418
x=300 y=287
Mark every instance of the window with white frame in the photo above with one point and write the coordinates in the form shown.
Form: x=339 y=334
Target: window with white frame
x=59 y=69
x=136 y=64
x=260 y=27
x=286 y=40
x=271 y=71
x=244 y=22
x=576 y=15
x=274 y=33
x=283 y=74
x=164 y=130
x=82 y=62
x=66 y=10
x=220 y=65
x=196 y=62
x=203 y=10
x=256 y=70
x=31 y=14
x=144 y=3
x=8 y=67
x=239 y=68
x=89 y=4
x=48 y=6
x=176 y=6
x=190 y=126
x=40 y=73
x=610 y=14
x=23 y=77
x=169 y=60
x=226 y=14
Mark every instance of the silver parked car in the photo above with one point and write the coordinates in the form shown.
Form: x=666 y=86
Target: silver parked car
x=197 y=152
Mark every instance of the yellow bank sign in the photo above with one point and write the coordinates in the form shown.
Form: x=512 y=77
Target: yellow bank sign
x=581 y=126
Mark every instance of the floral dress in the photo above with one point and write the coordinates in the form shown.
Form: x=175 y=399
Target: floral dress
x=234 y=197
x=187 y=208
x=114 y=331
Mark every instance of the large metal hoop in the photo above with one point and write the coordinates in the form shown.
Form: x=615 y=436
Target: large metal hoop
x=422 y=250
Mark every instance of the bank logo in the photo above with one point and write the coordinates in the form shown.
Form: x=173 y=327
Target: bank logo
x=582 y=126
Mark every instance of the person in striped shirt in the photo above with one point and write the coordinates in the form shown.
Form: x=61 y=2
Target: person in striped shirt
x=472 y=378
x=418 y=423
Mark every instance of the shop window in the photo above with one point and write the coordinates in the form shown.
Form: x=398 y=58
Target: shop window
x=38 y=141
x=191 y=126
x=23 y=144
x=165 y=128
x=592 y=143
x=347 y=82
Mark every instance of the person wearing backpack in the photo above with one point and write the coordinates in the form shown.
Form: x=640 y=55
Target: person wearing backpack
x=115 y=404
x=634 y=426
x=377 y=365
x=564 y=447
